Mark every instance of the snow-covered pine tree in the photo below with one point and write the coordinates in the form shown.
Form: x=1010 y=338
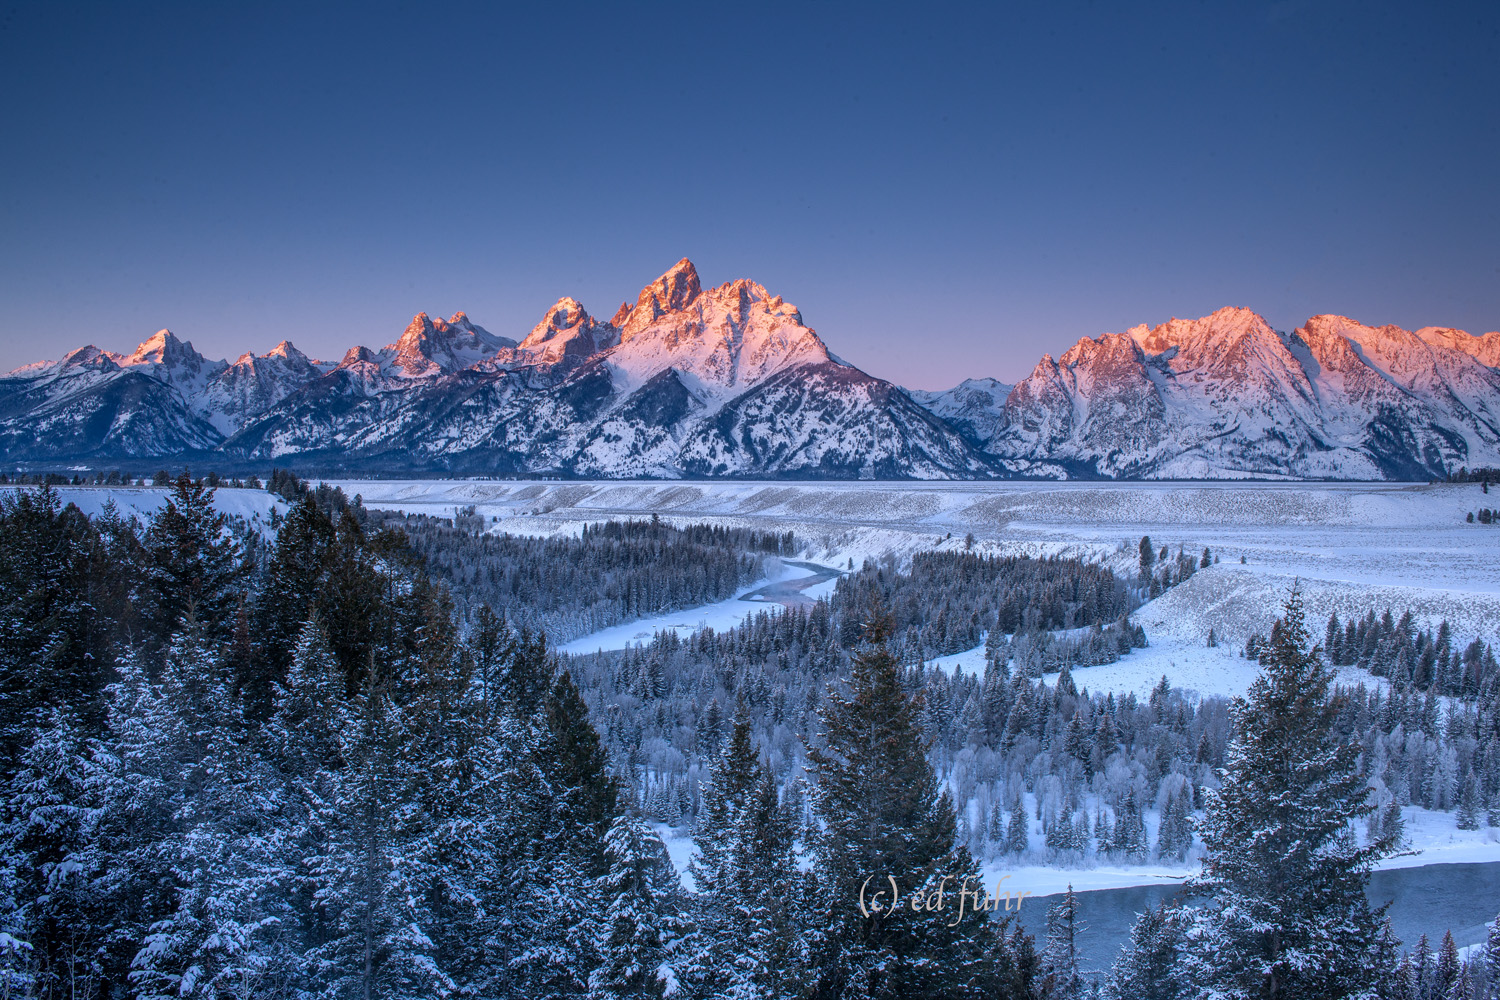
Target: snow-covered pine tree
x=225 y=926
x=1128 y=839
x=54 y=875
x=1061 y=979
x=883 y=817
x=526 y=672
x=191 y=562
x=726 y=799
x=1467 y=817
x=747 y=881
x=575 y=765
x=1288 y=916
x=1018 y=828
x=64 y=605
x=1148 y=967
x=371 y=940
x=285 y=600
x=449 y=821
x=491 y=644
x=562 y=879
x=1447 y=970
x=1175 y=834
x=642 y=915
x=1490 y=960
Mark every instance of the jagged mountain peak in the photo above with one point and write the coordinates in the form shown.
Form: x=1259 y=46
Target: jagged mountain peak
x=566 y=331
x=284 y=355
x=356 y=355
x=164 y=347
x=429 y=347
x=565 y=314
x=675 y=290
x=1485 y=348
x=286 y=349
x=1220 y=328
x=719 y=340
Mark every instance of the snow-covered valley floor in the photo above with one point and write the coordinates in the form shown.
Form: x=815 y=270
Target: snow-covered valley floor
x=1352 y=547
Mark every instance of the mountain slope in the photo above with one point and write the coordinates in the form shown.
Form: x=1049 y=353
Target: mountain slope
x=975 y=406
x=1226 y=396
x=688 y=381
x=729 y=381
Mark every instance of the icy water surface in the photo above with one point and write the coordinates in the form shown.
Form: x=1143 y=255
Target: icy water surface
x=1427 y=900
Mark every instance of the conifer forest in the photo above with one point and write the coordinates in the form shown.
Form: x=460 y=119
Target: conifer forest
x=341 y=756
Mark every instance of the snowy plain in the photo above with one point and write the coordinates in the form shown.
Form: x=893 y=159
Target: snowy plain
x=1351 y=546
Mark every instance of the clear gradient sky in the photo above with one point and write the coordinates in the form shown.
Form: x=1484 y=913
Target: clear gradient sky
x=945 y=190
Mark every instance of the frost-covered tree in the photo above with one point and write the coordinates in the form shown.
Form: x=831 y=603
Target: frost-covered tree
x=55 y=880
x=1148 y=967
x=641 y=919
x=747 y=881
x=882 y=815
x=224 y=928
x=1128 y=839
x=1285 y=878
x=285 y=601
x=1174 y=837
x=192 y=562
x=365 y=901
x=1061 y=979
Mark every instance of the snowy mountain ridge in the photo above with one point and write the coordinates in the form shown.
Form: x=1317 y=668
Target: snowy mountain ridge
x=1226 y=396
x=729 y=381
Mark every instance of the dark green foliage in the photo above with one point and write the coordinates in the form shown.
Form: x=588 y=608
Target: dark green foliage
x=65 y=611
x=572 y=760
x=883 y=816
x=191 y=565
x=1148 y=966
x=1288 y=915
x=614 y=572
x=947 y=599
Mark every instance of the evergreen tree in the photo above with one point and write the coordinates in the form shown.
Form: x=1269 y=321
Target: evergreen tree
x=1491 y=959
x=54 y=877
x=286 y=599
x=1148 y=556
x=575 y=765
x=1129 y=837
x=372 y=942
x=1060 y=976
x=883 y=817
x=726 y=799
x=526 y=672
x=1148 y=966
x=491 y=645
x=1467 y=817
x=191 y=563
x=1174 y=836
x=1288 y=915
x=641 y=917
x=64 y=609
x=223 y=929
x=1018 y=831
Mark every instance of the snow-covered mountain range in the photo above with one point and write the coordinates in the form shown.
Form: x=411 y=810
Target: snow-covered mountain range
x=729 y=381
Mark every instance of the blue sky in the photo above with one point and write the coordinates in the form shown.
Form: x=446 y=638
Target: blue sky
x=945 y=190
